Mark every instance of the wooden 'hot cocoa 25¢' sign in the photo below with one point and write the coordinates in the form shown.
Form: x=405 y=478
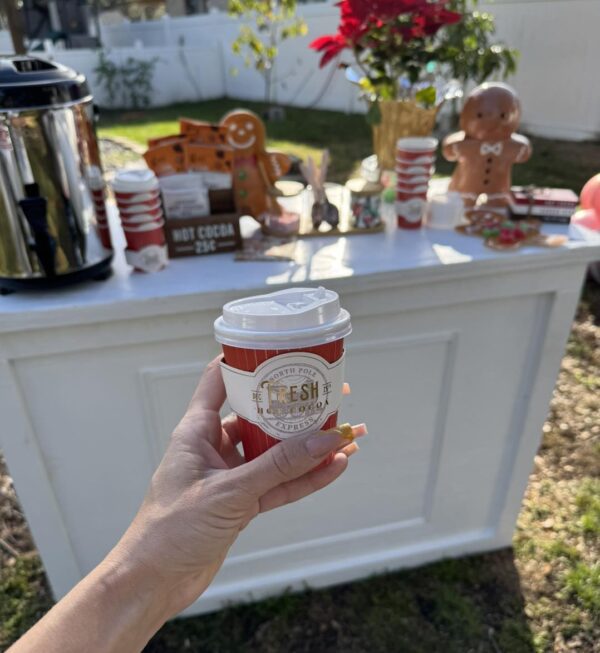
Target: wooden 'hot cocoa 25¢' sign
x=206 y=235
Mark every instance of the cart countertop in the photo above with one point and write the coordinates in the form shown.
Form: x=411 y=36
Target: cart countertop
x=398 y=256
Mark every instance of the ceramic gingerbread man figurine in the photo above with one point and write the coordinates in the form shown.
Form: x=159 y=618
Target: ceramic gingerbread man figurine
x=487 y=147
x=255 y=170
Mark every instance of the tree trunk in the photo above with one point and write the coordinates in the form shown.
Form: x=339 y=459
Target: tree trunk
x=15 y=25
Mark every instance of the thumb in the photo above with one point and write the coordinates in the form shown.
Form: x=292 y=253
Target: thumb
x=289 y=459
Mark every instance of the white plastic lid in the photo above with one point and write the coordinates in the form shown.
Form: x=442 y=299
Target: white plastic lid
x=134 y=180
x=417 y=143
x=287 y=319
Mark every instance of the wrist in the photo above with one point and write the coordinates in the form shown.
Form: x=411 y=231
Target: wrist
x=128 y=583
x=140 y=567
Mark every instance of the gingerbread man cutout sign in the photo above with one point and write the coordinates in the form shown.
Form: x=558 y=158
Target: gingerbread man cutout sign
x=255 y=170
x=487 y=147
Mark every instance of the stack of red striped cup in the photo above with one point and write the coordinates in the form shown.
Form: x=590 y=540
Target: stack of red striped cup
x=138 y=200
x=415 y=163
x=98 y=190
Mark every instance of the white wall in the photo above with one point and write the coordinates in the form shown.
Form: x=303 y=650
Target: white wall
x=557 y=79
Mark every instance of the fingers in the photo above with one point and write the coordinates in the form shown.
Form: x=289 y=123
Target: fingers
x=291 y=459
x=350 y=449
x=229 y=451
x=230 y=426
x=346 y=389
x=301 y=487
x=210 y=392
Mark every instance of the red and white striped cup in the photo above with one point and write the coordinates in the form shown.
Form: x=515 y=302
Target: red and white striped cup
x=283 y=364
x=420 y=150
x=135 y=185
x=415 y=157
x=145 y=234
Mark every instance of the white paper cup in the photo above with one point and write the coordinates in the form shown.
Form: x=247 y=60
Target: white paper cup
x=283 y=363
x=444 y=211
x=134 y=181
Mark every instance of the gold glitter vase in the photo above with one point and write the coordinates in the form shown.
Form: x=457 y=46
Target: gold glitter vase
x=399 y=119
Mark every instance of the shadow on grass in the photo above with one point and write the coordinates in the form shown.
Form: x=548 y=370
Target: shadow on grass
x=454 y=606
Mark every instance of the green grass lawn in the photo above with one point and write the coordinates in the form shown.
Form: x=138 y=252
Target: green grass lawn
x=541 y=596
x=307 y=131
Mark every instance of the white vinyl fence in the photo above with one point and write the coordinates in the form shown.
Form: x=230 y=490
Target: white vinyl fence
x=557 y=77
x=177 y=76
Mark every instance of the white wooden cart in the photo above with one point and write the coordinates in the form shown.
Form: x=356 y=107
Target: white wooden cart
x=452 y=363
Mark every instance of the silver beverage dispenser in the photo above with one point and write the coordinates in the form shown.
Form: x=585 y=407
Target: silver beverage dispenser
x=48 y=158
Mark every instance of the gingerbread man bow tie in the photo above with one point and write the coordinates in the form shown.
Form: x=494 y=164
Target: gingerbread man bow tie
x=491 y=148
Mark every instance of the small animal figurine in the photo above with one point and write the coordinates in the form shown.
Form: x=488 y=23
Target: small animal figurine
x=255 y=170
x=487 y=147
x=322 y=209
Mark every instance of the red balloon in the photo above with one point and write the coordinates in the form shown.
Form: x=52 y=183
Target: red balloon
x=590 y=195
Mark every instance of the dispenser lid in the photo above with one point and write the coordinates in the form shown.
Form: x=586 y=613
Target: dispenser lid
x=30 y=83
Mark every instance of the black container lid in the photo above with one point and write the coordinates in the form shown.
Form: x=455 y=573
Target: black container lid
x=29 y=83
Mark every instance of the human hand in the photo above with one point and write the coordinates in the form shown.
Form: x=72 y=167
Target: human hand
x=203 y=494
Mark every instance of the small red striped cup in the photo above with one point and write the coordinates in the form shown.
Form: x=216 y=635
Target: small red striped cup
x=283 y=364
x=419 y=150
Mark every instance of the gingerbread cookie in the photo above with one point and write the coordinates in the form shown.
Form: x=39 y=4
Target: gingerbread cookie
x=487 y=147
x=255 y=169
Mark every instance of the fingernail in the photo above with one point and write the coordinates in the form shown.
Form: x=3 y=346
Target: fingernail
x=350 y=449
x=359 y=430
x=323 y=443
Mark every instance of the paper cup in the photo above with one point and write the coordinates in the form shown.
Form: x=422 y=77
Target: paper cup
x=412 y=189
x=104 y=235
x=149 y=233
x=406 y=170
x=444 y=211
x=134 y=180
x=126 y=199
x=416 y=148
x=409 y=212
x=402 y=196
x=137 y=218
x=412 y=180
x=283 y=364
x=140 y=207
x=426 y=160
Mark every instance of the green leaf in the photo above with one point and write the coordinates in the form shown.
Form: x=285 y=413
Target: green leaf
x=373 y=115
x=426 y=96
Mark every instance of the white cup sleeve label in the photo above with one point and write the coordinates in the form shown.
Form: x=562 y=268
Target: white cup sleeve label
x=149 y=259
x=411 y=210
x=287 y=395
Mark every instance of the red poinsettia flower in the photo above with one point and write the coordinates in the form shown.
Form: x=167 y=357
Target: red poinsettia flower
x=330 y=46
x=420 y=19
x=383 y=9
